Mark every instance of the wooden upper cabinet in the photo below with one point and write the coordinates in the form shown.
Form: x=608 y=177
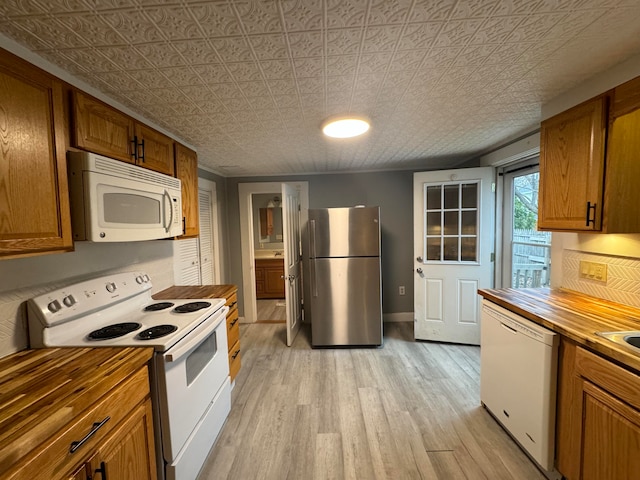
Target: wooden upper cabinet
x=580 y=178
x=622 y=187
x=572 y=159
x=187 y=171
x=34 y=198
x=102 y=129
x=154 y=150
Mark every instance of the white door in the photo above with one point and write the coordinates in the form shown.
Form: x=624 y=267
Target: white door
x=206 y=237
x=453 y=247
x=210 y=261
x=292 y=262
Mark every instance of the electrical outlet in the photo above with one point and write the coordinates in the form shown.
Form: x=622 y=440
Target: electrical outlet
x=593 y=271
x=401 y=290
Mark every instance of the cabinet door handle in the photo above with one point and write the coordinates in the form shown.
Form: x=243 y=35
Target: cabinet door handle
x=96 y=426
x=102 y=471
x=141 y=144
x=235 y=354
x=134 y=147
x=589 y=208
x=234 y=322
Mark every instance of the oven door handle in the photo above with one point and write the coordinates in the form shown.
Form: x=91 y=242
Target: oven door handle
x=197 y=336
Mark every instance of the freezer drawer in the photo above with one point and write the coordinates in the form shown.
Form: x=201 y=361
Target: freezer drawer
x=346 y=305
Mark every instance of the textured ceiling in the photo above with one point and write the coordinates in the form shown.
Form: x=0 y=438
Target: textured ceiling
x=248 y=83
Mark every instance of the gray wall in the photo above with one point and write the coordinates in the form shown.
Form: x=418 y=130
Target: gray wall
x=392 y=191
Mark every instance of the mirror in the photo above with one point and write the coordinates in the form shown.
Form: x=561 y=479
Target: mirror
x=267 y=221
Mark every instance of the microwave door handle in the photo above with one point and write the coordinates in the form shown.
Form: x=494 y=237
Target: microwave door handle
x=197 y=336
x=167 y=198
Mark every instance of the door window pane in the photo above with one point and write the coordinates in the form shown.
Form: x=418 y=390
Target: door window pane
x=434 y=226
x=470 y=195
x=530 y=249
x=451 y=223
x=451 y=196
x=451 y=249
x=433 y=248
x=434 y=197
x=469 y=219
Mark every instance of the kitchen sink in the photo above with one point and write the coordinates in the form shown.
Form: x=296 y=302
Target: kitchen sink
x=629 y=339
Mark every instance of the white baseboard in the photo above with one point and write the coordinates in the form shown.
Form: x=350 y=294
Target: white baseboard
x=398 y=317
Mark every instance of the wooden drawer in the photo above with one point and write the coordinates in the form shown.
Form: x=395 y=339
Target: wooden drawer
x=53 y=457
x=233 y=329
x=234 y=360
x=232 y=302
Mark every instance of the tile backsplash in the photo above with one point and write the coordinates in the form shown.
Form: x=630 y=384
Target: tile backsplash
x=623 y=277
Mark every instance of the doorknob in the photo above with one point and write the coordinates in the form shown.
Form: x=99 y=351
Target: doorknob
x=419 y=270
x=419 y=259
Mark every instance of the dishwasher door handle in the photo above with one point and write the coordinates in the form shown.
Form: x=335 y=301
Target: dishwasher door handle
x=511 y=329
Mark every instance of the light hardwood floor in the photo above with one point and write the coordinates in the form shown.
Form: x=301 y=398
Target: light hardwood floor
x=271 y=310
x=408 y=410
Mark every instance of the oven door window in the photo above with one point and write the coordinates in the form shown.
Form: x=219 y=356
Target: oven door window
x=130 y=208
x=200 y=357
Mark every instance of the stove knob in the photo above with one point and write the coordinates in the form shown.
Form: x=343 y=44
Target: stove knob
x=111 y=287
x=139 y=279
x=54 y=306
x=146 y=277
x=69 y=300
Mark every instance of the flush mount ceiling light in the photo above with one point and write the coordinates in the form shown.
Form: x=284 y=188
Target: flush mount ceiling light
x=345 y=127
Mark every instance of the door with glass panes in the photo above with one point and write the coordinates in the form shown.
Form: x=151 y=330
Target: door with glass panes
x=526 y=252
x=453 y=247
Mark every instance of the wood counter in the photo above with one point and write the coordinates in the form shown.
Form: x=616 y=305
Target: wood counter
x=46 y=393
x=575 y=316
x=196 y=291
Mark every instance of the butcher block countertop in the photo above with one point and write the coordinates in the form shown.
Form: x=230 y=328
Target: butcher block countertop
x=575 y=316
x=44 y=390
x=196 y=291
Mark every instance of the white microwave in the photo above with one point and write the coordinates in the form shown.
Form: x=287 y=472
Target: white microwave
x=113 y=201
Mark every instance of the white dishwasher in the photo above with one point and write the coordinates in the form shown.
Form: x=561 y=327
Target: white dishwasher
x=518 y=371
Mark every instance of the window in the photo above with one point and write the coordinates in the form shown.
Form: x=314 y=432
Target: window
x=451 y=222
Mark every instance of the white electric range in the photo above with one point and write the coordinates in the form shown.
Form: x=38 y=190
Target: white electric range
x=190 y=365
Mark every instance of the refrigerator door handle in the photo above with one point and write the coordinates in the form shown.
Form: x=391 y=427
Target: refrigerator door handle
x=314 y=283
x=312 y=238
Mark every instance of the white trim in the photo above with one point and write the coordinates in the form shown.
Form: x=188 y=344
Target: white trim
x=398 y=317
x=516 y=151
x=245 y=190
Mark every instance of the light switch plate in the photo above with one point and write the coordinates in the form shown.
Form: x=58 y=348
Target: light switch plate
x=593 y=271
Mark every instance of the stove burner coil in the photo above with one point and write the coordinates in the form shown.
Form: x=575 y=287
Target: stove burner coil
x=114 y=331
x=154 y=307
x=191 y=307
x=156 y=332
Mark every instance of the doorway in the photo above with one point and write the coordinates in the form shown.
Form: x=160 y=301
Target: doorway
x=247 y=224
x=268 y=252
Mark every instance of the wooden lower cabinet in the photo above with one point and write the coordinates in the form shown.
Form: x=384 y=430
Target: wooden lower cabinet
x=125 y=454
x=269 y=278
x=598 y=417
x=611 y=436
x=233 y=334
x=79 y=414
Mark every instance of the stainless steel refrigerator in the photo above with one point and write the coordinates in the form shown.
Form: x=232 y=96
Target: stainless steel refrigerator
x=346 y=290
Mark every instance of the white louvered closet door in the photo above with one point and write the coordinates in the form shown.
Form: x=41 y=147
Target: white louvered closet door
x=186 y=264
x=206 y=238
